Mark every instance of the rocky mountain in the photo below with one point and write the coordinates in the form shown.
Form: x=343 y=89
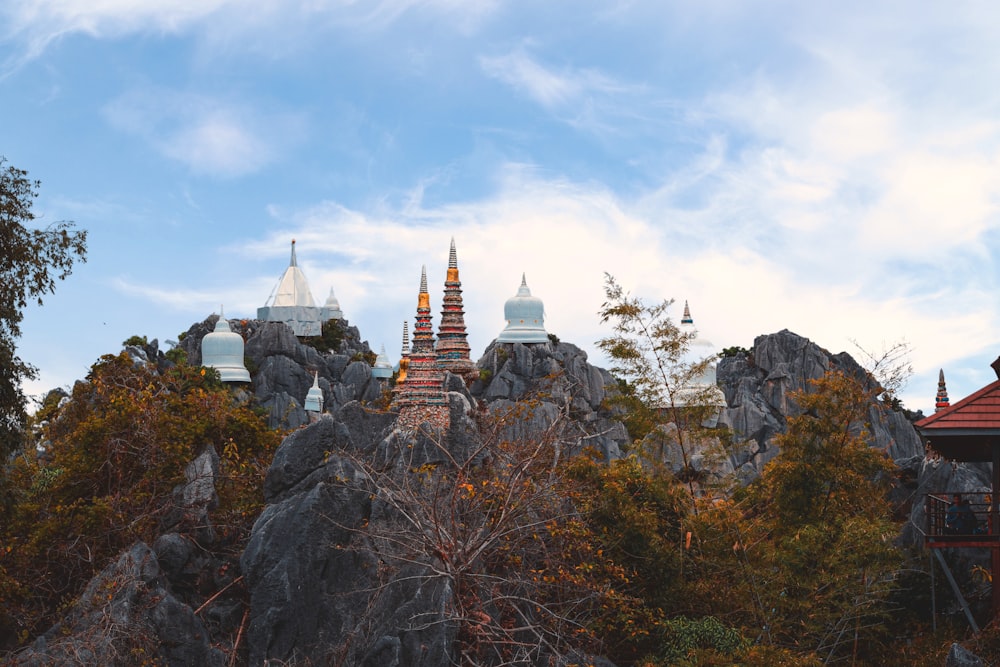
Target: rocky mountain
x=322 y=573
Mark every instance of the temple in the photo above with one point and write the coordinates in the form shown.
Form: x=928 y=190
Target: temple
x=420 y=396
x=452 y=346
x=968 y=431
x=293 y=303
x=223 y=350
x=525 y=315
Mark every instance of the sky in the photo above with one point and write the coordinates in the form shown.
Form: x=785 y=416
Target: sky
x=831 y=168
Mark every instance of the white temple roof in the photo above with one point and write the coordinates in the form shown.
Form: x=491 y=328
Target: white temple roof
x=293 y=288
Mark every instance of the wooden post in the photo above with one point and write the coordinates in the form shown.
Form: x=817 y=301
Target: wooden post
x=995 y=531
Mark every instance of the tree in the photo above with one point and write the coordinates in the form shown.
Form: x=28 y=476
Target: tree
x=659 y=383
x=492 y=523
x=806 y=551
x=115 y=452
x=31 y=262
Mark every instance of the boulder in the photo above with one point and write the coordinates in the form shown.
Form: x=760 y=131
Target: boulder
x=126 y=612
x=959 y=656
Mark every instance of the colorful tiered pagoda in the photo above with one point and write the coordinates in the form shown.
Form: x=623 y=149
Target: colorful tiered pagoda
x=941 y=400
x=420 y=397
x=452 y=346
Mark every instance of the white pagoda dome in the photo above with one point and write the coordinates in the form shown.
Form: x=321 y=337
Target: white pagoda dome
x=525 y=315
x=223 y=350
x=293 y=303
x=331 y=309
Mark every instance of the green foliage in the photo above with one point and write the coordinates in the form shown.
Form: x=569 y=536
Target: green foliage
x=177 y=355
x=636 y=519
x=736 y=351
x=554 y=339
x=683 y=638
x=330 y=338
x=367 y=357
x=138 y=341
x=30 y=264
x=118 y=449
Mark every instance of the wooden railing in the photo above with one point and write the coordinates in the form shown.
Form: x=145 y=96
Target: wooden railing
x=956 y=518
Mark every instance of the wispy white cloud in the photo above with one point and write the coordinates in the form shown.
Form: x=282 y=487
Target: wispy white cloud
x=36 y=25
x=585 y=98
x=209 y=135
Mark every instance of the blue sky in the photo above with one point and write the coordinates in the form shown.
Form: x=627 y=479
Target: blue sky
x=832 y=168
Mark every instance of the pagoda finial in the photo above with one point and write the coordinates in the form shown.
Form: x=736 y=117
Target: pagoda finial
x=423 y=299
x=941 y=400
x=452 y=255
x=686 y=318
x=294 y=261
x=406 y=338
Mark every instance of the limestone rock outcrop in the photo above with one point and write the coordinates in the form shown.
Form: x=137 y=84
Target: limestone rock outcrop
x=558 y=378
x=758 y=388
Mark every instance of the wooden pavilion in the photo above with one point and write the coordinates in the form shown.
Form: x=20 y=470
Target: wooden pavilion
x=968 y=431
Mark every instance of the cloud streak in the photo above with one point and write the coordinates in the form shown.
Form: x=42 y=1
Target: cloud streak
x=208 y=135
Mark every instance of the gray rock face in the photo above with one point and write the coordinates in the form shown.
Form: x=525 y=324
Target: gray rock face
x=126 y=611
x=313 y=572
x=758 y=392
x=561 y=381
x=338 y=569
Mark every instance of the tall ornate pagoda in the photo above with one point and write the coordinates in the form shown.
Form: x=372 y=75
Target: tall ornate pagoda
x=420 y=397
x=452 y=346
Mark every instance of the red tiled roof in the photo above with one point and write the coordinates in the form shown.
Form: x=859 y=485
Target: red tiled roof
x=980 y=410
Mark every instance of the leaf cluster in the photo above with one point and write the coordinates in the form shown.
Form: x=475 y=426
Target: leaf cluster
x=31 y=262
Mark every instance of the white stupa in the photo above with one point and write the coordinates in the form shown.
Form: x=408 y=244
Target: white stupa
x=222 y=349
x=525 y=315
x=331 y=309
x=704 y=389
x=314 y=397
x=293 y=303
x=383 y=367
